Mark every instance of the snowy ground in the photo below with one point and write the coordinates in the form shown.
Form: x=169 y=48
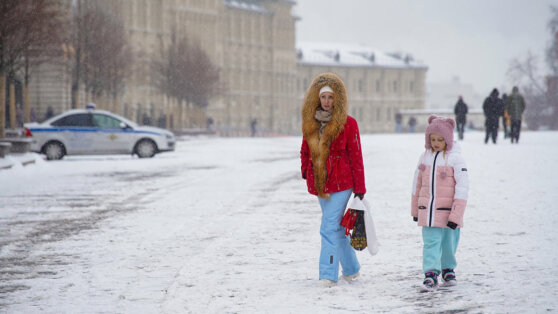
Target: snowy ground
x=225 y=225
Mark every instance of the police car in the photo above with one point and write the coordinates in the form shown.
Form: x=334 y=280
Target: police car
x=90 y=131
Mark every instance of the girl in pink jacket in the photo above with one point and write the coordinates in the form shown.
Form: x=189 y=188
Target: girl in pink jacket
x=440 y=189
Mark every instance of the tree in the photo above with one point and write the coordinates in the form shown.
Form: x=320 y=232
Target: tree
x=540 y=96
x=524 y=74
x=552 y=61
x=46 y=34
x=552 y=49
x=30 y=32
x=184 y=71
x=203 y=77
x=102 y=57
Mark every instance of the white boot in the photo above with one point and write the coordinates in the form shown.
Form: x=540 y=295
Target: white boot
x=351 y=278
x=326 y=283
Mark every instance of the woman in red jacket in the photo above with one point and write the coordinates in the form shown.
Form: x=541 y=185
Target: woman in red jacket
x=332 y=165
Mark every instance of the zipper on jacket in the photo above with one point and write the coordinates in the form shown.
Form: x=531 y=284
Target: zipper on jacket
x=432 y=189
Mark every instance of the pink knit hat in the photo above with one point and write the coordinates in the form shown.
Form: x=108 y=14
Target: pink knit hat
x=442 y=126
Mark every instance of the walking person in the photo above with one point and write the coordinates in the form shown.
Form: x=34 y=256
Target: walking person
x=331 y=163
x=439 y=198
x=493 y=108
x=460 y=110
x=505 y=116
x=412 y=123
x=515 y=106
x=398 y=122
x=253 y=124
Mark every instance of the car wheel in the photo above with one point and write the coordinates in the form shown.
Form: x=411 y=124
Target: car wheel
x=54 y=150
x=146 y=149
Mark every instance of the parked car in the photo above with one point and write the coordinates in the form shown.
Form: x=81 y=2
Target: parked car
x=91 y=131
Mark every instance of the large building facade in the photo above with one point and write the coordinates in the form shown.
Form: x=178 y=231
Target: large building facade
x=263 y=75
x=378 y=85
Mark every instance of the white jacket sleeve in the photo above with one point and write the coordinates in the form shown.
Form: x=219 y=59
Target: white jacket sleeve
x=460 y=173
x=415 y=190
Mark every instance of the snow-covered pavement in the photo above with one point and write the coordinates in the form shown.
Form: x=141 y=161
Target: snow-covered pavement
x=225 y=225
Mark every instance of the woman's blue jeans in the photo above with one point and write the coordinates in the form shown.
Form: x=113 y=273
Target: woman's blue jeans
x=336 y=246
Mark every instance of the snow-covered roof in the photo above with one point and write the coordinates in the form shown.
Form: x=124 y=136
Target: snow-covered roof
x=339 y=54
x=247 y=6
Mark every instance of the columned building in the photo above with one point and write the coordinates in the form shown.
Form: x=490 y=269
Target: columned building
x=378 y=84
x=258 y=66
x=263 y=75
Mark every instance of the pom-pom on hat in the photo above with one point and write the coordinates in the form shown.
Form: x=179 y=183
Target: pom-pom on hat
x=442 y=126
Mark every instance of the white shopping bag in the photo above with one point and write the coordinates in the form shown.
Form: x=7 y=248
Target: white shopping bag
x=371 y=239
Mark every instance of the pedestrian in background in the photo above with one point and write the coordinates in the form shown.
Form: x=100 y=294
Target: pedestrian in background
x=505 y=116
x=49 y=113
x=398 y=122
x=253 y=124
x=493 y=108
x=331 y=163
x=460 y=110
x=439 y=198
x=515 y=106
x=412 y=123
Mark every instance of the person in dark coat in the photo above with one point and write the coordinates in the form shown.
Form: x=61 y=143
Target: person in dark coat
x=515 y=105
x=412 y=123
x=49 y=113
x=398 y=120
x=493 y=108
x=253 y=124
x=460 y=111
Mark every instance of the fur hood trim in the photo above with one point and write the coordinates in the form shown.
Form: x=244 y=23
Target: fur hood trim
x=319 y=147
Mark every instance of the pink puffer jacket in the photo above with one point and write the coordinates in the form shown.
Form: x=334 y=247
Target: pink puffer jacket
x=440 y=188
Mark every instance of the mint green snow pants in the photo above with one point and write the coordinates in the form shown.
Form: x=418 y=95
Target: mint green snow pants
x=439 y=247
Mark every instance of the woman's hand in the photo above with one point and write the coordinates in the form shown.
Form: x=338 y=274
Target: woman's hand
x=359 y=195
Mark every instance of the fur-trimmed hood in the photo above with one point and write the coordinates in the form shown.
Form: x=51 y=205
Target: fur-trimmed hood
x=319 y=146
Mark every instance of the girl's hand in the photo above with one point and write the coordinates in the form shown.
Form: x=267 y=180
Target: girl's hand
x=359 y=195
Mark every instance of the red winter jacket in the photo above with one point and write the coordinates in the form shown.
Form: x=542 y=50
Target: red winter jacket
x=344 y=165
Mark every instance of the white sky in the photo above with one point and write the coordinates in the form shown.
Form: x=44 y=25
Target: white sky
x=472 y=39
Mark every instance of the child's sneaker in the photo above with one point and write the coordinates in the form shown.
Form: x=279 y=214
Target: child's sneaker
x=430 y=281
x=449 y=277
x=351 y=278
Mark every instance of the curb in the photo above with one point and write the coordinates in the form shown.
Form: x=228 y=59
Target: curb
x=18 y=160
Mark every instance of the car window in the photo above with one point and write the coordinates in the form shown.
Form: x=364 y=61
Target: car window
x=106 y=122
x=78 y=119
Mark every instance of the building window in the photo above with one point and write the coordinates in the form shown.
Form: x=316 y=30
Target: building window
x=378 y=113
x=388 y=114
x=360 y=86
x=378 y=86
x=411 y=86
x=395 y=86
